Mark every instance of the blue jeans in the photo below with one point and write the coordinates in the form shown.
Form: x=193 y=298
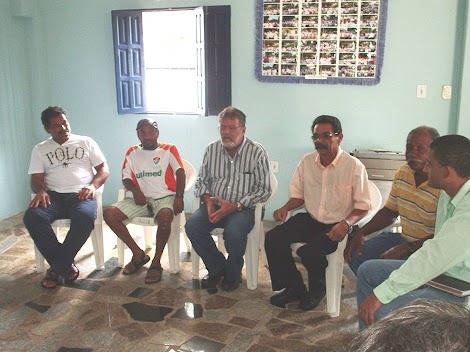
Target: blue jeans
x=374 y=248
x=373 y=272
x=236 y=227
x=82 y=215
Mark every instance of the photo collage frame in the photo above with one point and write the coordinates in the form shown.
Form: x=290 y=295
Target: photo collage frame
x=320 y=41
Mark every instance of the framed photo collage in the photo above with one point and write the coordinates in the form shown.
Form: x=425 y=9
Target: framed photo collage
x=321 y=40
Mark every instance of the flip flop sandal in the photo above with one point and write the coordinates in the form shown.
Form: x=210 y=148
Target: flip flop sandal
x=154 y=275
x=73 y=273
x=50 y=280
x=133 y=265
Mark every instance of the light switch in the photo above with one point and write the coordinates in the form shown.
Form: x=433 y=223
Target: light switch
x=446 y=92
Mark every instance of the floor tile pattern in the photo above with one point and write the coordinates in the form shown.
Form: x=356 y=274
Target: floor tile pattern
x=106 y=311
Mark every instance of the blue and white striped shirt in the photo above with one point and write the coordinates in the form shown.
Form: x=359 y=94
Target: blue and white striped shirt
x=244 y=178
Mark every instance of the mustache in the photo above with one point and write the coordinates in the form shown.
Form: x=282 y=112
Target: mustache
x=320 y=146
x=415 y=161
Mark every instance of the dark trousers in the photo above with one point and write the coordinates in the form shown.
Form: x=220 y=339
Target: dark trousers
x=82 y=215
x=299 y=228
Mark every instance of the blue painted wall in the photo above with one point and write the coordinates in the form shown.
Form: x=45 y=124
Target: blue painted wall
x=57 y=52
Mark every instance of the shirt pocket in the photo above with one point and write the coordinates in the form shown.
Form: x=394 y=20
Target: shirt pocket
x=342 y=196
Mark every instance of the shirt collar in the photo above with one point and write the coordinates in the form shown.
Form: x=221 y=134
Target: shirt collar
x=461 y=194
x=335 y=160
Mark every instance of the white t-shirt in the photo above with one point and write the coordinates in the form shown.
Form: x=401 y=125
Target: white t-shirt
x=153 y=171
x=68 y=167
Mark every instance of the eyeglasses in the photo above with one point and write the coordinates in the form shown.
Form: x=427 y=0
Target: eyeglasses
x=429 y=165
x=230 y=128
x=326 y=135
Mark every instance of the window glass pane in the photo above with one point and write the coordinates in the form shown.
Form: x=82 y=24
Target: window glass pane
x=170 y=61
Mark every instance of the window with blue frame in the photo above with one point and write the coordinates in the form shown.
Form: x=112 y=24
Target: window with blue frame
x=174 y=61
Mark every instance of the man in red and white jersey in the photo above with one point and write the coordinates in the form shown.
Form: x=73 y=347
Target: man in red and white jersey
x=154 y=173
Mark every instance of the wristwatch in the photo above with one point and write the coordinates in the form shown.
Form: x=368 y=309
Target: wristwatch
x=411 y=248
x=350 y=227
x=179 y=195
x=239 y=206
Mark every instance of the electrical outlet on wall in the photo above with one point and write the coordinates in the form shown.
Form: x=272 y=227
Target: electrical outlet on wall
x=421 y=91
x=274 y=166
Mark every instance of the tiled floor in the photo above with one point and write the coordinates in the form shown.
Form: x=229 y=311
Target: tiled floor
x=107 y=311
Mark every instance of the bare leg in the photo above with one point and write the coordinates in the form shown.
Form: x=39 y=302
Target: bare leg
x=114 y=218
x=164 y=218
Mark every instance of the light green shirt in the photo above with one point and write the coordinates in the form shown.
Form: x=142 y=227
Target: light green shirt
x=448 y=252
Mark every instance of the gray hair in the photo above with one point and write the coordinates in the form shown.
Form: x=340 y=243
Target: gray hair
x=425 y=325
x=431 y=130
x=233 y=113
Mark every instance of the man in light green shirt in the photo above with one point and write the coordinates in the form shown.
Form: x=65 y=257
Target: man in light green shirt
x=386 y=285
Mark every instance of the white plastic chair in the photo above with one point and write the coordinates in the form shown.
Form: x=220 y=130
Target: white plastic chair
x=334 y=271
x=177 y=225
x=252 y=245
x=96 y=235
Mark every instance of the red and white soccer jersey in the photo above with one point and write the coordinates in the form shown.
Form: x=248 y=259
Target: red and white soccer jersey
x=153 y=171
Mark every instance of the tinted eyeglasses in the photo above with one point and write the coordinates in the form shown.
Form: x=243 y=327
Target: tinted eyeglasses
x=326 y=135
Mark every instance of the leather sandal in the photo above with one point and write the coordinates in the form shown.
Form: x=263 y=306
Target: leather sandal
x=154 y=275
x=134 y=265
x=50 y=280
x=73 y=273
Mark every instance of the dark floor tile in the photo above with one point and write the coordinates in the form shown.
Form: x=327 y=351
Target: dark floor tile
x=197 y=343
x=87 y=285
x=145 y=312
x=193 y=285
x=189 y=311
x=109 y=270
x=196 y=285
x=39 y=307
x=140 y=292
x=244 y=322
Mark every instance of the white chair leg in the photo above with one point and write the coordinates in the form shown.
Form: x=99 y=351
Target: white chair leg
x=120 y=252
x=183 y=232
x=252 y=259
x=148 y=237
x=173 y=245
x=334 y=279
x=261 y=245
x=195 y=263
x=39 y=260
x=96 y=238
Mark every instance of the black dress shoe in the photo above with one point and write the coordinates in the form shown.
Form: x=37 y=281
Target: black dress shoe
x=287 y=296
x=230 y=285
x=311 y=300
x=212 y=280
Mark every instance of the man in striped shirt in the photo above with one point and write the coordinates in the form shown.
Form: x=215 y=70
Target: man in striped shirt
x=234 y=176
x=411 y=198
